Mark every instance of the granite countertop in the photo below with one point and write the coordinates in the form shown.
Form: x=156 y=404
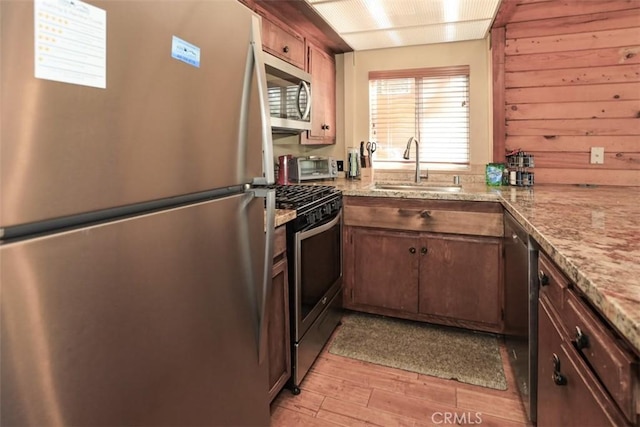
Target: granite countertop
x=284 y=215
x=473 y=192
x=593 y=234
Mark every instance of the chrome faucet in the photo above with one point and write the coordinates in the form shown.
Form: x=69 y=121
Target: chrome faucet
x=407 y=152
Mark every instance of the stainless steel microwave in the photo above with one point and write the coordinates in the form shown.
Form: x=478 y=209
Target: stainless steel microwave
x=289 y=92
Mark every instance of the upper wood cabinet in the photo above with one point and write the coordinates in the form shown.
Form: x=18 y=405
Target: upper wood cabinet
x=310 y=45
x=283 y=42
x=322 y=68
x=302 y=18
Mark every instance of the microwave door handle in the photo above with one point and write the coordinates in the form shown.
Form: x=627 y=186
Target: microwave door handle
x=304 y=86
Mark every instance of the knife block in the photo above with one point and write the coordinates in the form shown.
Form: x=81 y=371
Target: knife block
x=366 y=174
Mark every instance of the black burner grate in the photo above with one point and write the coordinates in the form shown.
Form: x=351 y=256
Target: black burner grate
x=298 y=197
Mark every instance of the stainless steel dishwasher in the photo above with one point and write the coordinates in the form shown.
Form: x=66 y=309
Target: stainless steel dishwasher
x=521 y=314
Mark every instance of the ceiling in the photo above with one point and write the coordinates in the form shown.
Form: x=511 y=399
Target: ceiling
x=376 y=24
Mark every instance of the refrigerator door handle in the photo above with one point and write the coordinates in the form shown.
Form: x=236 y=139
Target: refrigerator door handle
x=263 y=308
x=256 y=63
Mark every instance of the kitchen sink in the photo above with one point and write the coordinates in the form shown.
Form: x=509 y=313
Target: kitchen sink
x=433 y=188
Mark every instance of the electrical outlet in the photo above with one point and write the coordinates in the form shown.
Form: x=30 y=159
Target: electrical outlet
x=597 y=155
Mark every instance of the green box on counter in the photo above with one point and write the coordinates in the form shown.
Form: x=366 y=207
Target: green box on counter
x=493 y=174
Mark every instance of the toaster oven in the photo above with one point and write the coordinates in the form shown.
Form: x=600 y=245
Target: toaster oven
x=312 y=167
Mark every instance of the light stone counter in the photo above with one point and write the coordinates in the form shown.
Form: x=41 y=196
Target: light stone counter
x=284 y=215
x=469 y=192
x=593 y=234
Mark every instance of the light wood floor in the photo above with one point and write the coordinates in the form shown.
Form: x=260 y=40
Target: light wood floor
x=339 y=391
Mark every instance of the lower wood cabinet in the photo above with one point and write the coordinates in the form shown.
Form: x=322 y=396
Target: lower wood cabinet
x=460 y=278
x=569 y=394
x=587 y=375
x=447 y=278
x=278 y=323
x=385 y=272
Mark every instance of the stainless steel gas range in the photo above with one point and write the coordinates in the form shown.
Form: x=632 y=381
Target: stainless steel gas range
x=314 y=249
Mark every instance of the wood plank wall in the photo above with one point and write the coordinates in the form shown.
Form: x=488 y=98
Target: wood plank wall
x=567 y=78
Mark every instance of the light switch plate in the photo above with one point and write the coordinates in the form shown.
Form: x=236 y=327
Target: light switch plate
x=597 y=155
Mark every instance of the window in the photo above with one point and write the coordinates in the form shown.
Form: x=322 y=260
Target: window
x=430 y=104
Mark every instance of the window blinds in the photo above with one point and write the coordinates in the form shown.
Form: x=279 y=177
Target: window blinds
x=431 y=104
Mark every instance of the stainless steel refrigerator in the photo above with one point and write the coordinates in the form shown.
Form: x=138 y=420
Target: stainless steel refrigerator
x=134 y=262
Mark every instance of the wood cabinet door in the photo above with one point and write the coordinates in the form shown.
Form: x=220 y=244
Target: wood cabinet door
x=278 y=337
x=385 y=269
x=328 y=75
x=322 y=68
x=460 y=278
x=283 y=42
x=568 y=393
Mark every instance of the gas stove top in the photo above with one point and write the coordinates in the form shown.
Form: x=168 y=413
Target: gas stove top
x=301 y=196
x=313 y=203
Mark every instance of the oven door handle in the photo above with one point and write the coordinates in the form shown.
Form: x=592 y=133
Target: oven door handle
x=321 y=228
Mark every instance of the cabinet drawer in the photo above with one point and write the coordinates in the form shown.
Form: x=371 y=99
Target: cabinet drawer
x=614 y=366
x=283 y=43
x=568 y=392
x=552 y=282
x=472 y=218
x=279 y=241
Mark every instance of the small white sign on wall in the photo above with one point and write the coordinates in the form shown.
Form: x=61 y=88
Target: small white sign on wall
x=70 y=42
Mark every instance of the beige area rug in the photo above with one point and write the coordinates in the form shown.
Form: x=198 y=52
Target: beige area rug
x=439 y=351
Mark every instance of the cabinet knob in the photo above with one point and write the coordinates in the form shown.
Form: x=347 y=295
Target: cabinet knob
x=285 y=49
x=425 y=214
x=582 y=340
x=543 y=278
x=423 y=250
x=412 y=250
x=558 y=378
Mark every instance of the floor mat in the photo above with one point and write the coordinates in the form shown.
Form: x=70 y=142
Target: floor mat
x=439 y=351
